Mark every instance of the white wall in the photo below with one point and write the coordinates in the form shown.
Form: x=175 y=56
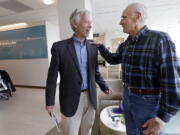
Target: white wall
x=174 y=33
x=53 y=35
x=109 y=35
x=52 y=32
x=33 y=72
x=30 y=72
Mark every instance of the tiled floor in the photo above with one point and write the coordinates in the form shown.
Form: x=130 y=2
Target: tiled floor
x=24 y=114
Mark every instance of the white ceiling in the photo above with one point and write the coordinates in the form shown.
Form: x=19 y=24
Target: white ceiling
x=106 y=13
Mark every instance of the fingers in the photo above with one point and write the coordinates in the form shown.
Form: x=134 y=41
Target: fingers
x=152 y=127
x=90 y=40
x=50 y=108
x=94 y=42
x=145 y=124
x=61 y=117
x=108 y=92
x=147 y=130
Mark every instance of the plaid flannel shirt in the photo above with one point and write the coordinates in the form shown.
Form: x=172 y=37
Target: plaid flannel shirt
x=149 y=61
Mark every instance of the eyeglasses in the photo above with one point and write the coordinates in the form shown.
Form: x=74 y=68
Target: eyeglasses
x=55 y=120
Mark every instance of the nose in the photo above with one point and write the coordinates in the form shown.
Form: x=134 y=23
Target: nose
x=121 y=22
x=90 y=25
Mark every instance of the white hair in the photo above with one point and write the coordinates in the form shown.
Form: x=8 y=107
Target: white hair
x=140 y=8
x=76 y=16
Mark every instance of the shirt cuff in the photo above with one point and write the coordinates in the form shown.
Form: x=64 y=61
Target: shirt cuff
x=161 y=121
x=100 y=46
x=164 y=116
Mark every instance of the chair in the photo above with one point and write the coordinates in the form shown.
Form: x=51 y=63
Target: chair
x=104 y=100
x=114 y=71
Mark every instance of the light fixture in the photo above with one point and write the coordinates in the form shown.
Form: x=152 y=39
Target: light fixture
x=13 y=26
x=48 y=2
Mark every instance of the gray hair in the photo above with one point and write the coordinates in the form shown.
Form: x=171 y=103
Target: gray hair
x=140 y=8
x=76 y=16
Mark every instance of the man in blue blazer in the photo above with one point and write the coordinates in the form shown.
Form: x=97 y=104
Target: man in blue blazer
x=76 y=62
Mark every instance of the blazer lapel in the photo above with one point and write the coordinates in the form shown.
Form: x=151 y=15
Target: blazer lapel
x=72 y=51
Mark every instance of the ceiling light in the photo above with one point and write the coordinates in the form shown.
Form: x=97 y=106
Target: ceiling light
x=48 y=2
x=13 y=26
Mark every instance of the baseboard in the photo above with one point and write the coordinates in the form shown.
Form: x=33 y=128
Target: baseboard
x=29 y=86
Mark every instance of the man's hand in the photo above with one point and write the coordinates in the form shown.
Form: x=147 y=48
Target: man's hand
x=50 y=108
x=95 y=42
x=108 y=92
x=153 y=126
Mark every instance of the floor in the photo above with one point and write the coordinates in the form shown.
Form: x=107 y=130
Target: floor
x=173 y=127
x=24 y=114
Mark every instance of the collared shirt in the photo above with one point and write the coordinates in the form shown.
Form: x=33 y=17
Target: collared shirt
x=149 y=61
x=81 y=52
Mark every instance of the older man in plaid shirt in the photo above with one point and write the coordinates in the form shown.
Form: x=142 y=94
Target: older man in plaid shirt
x=151 y=74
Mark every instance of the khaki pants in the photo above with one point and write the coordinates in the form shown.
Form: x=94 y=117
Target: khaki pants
x=82 y=122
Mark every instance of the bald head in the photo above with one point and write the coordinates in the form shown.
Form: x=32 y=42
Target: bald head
x=138 y=8
x=133 y=18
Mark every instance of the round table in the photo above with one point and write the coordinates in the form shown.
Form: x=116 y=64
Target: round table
x=108 y=126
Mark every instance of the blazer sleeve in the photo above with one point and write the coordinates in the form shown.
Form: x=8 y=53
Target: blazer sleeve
x=52 y=76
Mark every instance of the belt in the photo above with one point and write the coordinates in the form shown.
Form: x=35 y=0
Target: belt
x=84 y=90
x=144 y=91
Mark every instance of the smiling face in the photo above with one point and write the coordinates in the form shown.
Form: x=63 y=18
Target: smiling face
x=129 y=21
x=83 y=27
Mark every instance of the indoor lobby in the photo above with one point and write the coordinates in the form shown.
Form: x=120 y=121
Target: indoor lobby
x=28 y=29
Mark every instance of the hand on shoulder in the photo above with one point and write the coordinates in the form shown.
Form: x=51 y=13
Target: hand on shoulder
x=95 y=42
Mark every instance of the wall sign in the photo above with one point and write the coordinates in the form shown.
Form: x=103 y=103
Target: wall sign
x=25 y=43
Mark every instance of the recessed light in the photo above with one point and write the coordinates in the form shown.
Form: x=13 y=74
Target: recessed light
x=48 y=2
x=13 y=26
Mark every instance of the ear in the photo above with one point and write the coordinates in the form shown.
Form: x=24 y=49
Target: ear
x=138 y=15
x=75 y=26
